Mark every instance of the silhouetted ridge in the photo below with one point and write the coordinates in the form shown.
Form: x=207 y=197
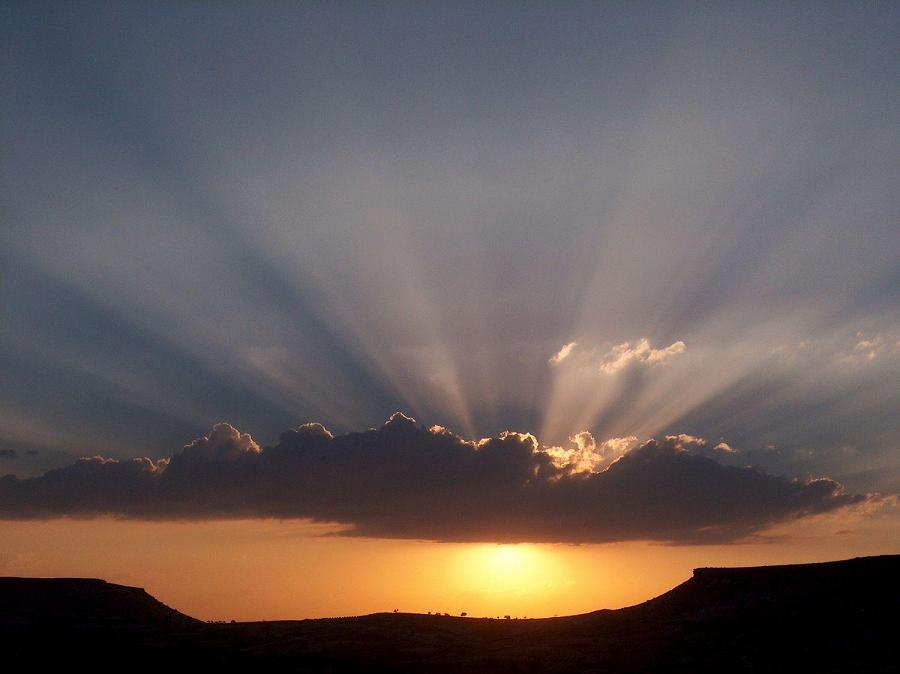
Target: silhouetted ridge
x=25 y=601
x=743 y=590
x=834 y=617
x=879 y=564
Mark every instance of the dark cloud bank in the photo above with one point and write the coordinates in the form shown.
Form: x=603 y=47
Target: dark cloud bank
x=405 y=481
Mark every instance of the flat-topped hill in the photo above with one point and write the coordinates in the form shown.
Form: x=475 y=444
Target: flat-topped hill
x=44 y=601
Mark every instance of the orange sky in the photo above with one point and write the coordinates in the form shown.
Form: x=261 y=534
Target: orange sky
x=268 y=569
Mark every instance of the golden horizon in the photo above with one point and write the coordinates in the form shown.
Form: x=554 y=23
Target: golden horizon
x=253 y=570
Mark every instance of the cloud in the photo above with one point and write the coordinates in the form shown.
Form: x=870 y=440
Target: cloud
x=869 y=347
x=624 y=354
x=224 y=444
x=404 y=481
x=586 y=455
x=563 y=353
x=8 y=454
x=621 y=355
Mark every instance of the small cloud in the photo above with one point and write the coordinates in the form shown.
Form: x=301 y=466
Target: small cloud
x=398 y=420
x=524 y=439
x=8 y=454
x=563 y=353
x=685 y=442
x=439 y=430
x=224 y=443
x=314 y=429
x=626 y=353
x=868 y=347
x=584 y=441
x=586 y=455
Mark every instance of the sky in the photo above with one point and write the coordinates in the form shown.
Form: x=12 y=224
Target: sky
x=550 y=302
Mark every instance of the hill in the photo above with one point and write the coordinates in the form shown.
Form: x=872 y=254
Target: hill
x=43 y=602
x=830 y=617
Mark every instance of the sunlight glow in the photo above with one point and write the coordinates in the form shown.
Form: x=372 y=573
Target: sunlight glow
x=513 y=570
x=285 y=569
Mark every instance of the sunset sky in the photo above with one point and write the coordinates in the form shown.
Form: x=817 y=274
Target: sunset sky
x=319 y=309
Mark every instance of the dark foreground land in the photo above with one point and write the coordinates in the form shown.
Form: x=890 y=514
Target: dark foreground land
x=831 y=617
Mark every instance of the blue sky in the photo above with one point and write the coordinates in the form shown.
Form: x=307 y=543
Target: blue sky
x=320 y=212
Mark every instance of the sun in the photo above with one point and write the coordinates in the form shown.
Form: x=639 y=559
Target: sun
x=503 y=568
x=508 y=559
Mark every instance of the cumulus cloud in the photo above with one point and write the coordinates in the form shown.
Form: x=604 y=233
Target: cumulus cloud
x=224 y=444
x=586 y=455
x=857 y=348
x=869 y=347
x=563 y=353
x=626 y=353
x=405 y=481
x=619 y=356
